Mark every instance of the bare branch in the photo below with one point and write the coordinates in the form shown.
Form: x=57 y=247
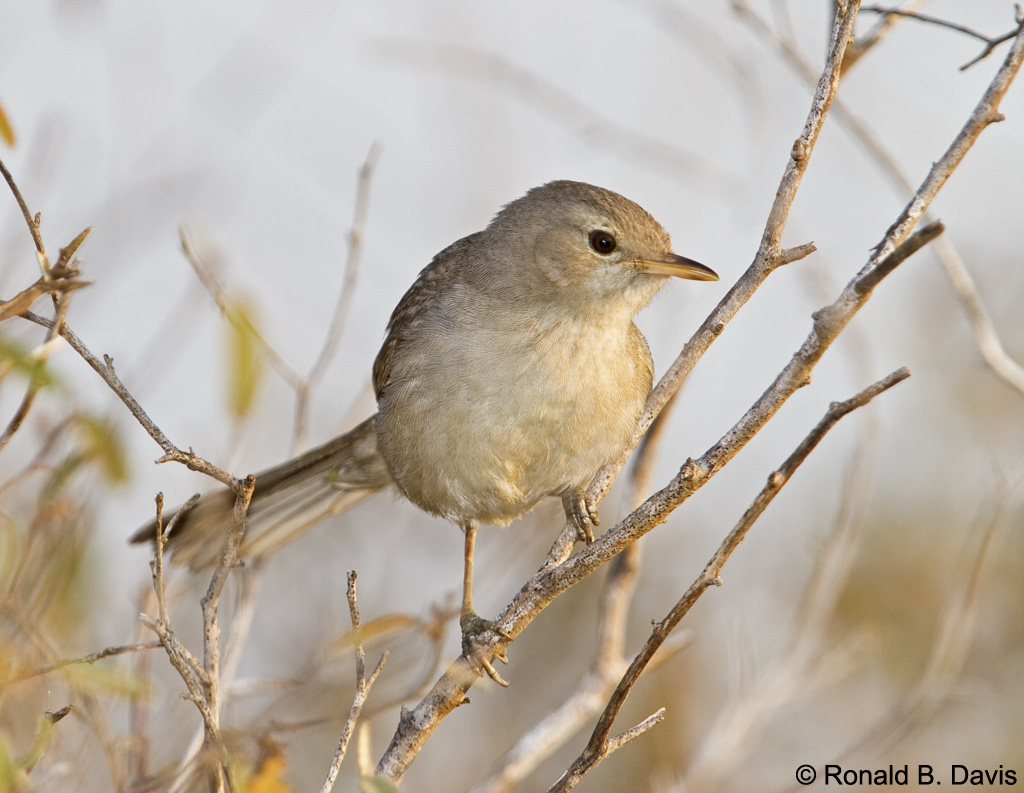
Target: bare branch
x=345 y=295
x=572 y=776
x=865 y=42
x=59 y=281
x=812 y=658
x=363 y=686
x=991 y=42
x=105 y=369
x=597 y=746
x=769 y=253
x=416 y=726
x=989 y=343
x=204 y=271
x=91 y=658
x=202 y=679
x=790 y=255
x=30 y=221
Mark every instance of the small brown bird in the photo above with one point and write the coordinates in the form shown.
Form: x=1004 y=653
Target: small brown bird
x=511 y=371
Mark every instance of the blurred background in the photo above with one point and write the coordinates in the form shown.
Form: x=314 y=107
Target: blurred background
x=248 y=125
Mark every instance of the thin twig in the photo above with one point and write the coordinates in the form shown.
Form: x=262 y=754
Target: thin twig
x=216 y=290
x=991 y=42
x=573 y=775
x=363 y=685
x=188 y=666
x=210 y=603
x=32 y=222
x=105 y=369
x=812 y=659
x=202 y=679
x=864 y=42
x=91 y=658
x=345 y=295
x=59 y=281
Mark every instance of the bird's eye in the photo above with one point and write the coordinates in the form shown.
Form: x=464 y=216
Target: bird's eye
x=602 y=242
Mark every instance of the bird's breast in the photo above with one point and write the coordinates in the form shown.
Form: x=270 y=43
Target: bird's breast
x=479 y=421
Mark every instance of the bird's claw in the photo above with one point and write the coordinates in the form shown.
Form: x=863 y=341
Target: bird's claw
x=480 y=653
x=581 y=512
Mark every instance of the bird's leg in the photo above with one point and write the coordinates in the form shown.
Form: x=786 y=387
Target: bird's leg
x=472 y=624
x=581 y=512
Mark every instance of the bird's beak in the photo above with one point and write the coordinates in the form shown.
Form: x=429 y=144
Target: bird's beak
x=679 y=266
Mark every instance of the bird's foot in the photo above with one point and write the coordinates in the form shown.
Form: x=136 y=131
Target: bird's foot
x=581 y=512
x=478 y=652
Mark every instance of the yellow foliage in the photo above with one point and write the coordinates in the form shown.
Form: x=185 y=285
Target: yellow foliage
x=245 y=361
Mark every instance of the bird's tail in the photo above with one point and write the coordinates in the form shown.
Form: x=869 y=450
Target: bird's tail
x=289 y=499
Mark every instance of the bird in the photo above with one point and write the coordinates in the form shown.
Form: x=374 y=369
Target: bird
x=511 y=371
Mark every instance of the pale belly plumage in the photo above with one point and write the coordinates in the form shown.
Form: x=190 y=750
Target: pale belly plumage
x=495 y=445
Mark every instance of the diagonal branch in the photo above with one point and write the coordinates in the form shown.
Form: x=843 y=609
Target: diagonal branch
x=597 y=747
x=769 y=256
x=105 y=369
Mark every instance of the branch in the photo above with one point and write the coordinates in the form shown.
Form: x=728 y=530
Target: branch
x=991 y=347
x=590 y=694
x=31 y=222
x=362 y=686
x=59 y=281
x=201 y=679
x=572 y=776
x=991 y=42
x=813 y=658
x=417 y=725
x=204 y=272
x=345 y=295
x=863 y=43
x=91 y=658
x=597 y=748
x=105 y=369
x=769 y=253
